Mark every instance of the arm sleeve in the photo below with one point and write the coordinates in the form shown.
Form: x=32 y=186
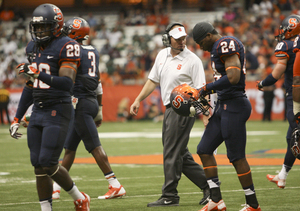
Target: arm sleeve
x=62 y=83
x=25 y=101
x=220 y=84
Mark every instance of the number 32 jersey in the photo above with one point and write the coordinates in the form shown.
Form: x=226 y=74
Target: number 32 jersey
x=227 y=46
x=49 y=61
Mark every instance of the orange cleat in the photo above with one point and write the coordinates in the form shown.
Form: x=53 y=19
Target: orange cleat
x=213 y=206
x=274 y=178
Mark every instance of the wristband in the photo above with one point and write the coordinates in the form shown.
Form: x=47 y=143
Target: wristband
x=269 y=80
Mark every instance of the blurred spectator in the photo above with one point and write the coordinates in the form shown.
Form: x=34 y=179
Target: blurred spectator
x=91 y=20
x=19 y=15
x=106 y=48
x=103 y=32
x=114 y=36
x=252 y=62
x=4 y=100
x=123 y=110
x=138 y=18
x=7 y=14
x=229 y=15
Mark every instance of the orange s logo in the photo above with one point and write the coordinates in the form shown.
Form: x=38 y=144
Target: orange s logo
x=292 y=22
x=179 y=67
x=177 y=101
x=77 y=23
x=59 y=14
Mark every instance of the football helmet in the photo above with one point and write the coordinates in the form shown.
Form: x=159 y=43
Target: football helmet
x=77 y=28
x=295 y=143
x=46 y=23
x=289 y=28
x=185 y=101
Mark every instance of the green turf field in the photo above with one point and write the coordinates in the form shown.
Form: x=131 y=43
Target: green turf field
x=143 y=182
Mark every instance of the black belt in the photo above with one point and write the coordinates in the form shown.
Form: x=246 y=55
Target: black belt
x=48 y=104
x=168 y=106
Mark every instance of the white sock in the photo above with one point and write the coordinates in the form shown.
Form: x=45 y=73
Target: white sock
x=75 y=193
x=283 y=173
x=112 y=180
x=115 y=183
x=46 y=205
x=56 y=186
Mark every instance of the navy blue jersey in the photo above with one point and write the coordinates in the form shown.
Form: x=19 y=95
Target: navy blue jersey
x=227 y=46
x=49 y=61
x=284 y=49
x=87 y=77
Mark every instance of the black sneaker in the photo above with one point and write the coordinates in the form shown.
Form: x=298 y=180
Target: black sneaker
x=164 y=202
x=206 y=196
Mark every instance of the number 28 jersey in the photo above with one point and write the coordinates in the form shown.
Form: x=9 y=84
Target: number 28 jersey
x=49 y=61
x=227 y=46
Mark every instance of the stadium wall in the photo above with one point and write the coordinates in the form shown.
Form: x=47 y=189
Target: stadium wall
x=117 y=101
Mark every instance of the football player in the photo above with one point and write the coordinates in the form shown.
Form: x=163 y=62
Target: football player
x=53 y=61
x=228 y=122
x=296 y=99
x=87 y=101
x=289 y=29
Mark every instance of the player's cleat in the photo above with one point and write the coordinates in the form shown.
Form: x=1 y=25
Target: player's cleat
x=214 y=206
x=114 y=193
x=206 y=196
x=163 y=202
x=274 y=178
x=248 y=208
x=56 y=194
x=83 y=204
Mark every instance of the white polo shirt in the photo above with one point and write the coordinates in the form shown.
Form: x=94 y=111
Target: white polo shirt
x=170 y=72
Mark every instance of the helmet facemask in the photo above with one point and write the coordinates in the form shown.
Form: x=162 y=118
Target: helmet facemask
x=42 y=32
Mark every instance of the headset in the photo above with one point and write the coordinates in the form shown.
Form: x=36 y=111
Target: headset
x=166 y=38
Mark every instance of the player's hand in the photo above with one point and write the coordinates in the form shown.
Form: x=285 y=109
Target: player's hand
x=259 y=85
x=99 y=117
x=25 y=120
x=13 y=130
x=25 y=68
x=203 y=91
x=297 y=119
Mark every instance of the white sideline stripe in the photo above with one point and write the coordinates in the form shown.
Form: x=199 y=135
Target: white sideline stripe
x=141 y=196
x=158 y=134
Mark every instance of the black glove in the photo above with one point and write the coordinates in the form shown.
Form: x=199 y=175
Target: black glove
x=297 y=119
x=203 y=91
x=259 y=85
x=295 y=143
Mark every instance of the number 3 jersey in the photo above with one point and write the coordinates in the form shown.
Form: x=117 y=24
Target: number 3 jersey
x=87 y=77
x=49 y=60
x=227 y=46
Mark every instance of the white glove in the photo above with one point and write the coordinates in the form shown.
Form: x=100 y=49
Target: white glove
x=13 y=130
x=99 y=115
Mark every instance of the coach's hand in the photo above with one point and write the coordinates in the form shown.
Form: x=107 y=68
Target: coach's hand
x=27 y=69
x=13 y=130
